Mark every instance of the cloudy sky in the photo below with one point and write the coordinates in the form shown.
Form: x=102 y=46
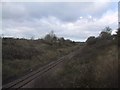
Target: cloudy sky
x=71 y=20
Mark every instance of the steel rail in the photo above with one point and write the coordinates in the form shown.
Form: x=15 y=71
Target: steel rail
x=31 y=76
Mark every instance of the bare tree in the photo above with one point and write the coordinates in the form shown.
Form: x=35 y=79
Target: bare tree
x=106 y=32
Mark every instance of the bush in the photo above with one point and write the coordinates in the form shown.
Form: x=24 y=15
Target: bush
x=91 y=40
x=106 y=33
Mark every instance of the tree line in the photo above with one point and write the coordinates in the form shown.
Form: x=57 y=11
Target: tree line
x=103 y=36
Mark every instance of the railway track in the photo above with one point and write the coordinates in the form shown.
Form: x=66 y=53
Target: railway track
x=19 y=83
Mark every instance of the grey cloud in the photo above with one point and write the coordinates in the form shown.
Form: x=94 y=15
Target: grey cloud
x=65 y=11
x=38 y=19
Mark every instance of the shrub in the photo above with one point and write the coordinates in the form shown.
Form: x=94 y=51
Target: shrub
x=91 y=40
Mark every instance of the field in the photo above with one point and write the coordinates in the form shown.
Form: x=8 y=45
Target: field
x=21 y=56
x=93 y=65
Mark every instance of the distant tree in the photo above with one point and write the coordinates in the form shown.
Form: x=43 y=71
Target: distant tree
x=68 y=41
x=61 y=39
x=106 y=33
x=108 y=29
x=51 y=37
x=47 y=37
x=118 y=32
x=54 y=39
x=91 y=40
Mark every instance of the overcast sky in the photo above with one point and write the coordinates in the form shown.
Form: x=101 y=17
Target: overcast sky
x=75 y=21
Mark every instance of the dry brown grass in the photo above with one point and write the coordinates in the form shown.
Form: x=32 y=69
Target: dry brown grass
x=91 y=67
x=20 y=56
